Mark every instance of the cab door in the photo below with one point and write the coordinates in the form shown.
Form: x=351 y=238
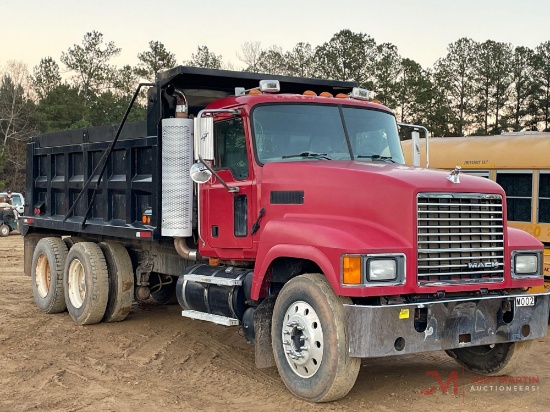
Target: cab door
x=227 y=215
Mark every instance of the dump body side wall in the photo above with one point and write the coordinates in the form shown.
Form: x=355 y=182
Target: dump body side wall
x=60 y=164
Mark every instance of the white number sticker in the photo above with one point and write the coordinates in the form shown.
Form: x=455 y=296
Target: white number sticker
x=525 y=301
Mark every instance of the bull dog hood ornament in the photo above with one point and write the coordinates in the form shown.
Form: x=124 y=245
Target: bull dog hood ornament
x=453 y=177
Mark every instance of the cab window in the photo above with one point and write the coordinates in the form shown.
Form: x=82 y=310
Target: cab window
x=230 y=147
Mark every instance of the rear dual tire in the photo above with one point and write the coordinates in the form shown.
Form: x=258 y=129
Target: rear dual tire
x=86 y=283
x=47 y=274
x=94 y=282
x=121 y=281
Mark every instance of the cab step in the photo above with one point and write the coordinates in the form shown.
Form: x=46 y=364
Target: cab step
x=220 y=320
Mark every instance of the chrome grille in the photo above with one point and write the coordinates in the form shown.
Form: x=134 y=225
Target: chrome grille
x=460 y=238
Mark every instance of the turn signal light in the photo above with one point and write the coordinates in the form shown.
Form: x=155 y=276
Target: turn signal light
x=352 y=270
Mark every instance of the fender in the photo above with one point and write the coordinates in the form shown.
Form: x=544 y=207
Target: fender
x=520 y=240
x=295 y=251
x=323 y=240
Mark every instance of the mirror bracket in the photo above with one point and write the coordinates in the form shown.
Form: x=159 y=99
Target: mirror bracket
x=199 y=172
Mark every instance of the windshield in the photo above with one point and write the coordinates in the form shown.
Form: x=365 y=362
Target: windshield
x=295 y=132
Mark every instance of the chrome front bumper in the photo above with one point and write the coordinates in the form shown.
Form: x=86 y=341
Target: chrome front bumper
x=376 y=331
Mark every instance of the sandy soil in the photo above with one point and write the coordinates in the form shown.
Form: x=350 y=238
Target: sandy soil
x=157 y=360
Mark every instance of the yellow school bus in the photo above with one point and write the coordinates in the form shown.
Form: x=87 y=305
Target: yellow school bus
x=519 y=162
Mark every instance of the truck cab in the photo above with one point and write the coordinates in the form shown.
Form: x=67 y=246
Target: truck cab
x=313 y=171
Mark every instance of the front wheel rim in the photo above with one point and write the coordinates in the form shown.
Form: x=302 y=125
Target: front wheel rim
x=302 y=338
x=77 y=283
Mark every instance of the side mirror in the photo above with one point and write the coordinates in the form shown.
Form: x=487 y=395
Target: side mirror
x=204 y=137
x=200 y=173
x=415 y=136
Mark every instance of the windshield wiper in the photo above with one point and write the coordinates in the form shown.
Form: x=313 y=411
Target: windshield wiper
x=309 y=155
x=376 y=157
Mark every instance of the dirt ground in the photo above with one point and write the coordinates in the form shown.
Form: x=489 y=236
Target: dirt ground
x=157 y=360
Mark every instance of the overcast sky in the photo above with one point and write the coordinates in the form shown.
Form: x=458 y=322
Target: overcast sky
x=421 y=29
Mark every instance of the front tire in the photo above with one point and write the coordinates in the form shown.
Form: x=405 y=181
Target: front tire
x=86 y=283
x=310 y=344
x=48 y=261
x=492 y=360
x=5 y=230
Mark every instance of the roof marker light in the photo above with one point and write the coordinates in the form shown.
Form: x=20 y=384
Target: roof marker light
x=310 y=93
x=342 y=96
x=270 y=86
x=359 y=93
x=266 y=86
x=326 y=94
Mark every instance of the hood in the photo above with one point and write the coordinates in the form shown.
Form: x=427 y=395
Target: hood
x=380 y=193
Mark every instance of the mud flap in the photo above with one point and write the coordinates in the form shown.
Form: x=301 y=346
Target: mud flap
x=263 y=350
x=29 y=244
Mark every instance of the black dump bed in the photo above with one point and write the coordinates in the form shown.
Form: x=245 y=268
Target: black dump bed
x=59 y=164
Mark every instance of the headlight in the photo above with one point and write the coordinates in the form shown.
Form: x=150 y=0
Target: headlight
x=386 y=269
x=526 y=265
x=381 y=269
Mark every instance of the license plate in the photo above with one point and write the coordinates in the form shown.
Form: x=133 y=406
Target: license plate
x=525 y=301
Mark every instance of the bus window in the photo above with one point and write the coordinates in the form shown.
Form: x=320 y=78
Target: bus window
x=481 y=173
x=544 y=198
x=519 y=192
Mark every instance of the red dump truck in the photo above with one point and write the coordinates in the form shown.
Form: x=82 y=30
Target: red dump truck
x=282 y=205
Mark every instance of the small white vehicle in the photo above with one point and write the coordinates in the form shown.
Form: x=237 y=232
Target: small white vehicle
x=18 y=201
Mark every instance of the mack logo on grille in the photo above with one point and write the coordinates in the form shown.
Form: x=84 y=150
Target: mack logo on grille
x=482 y=265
